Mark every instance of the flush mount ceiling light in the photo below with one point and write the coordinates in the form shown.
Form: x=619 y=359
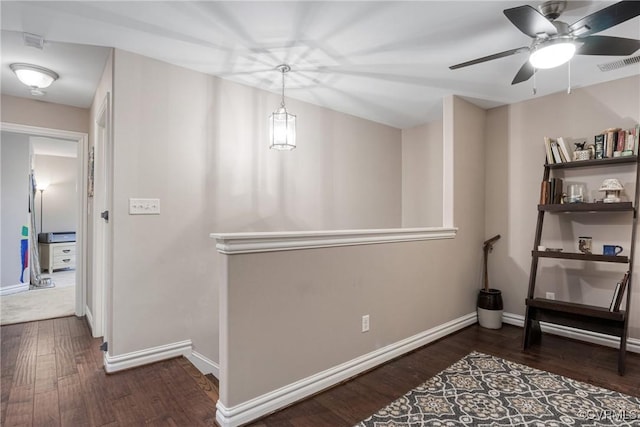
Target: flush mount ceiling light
x=35 y=77
x=552 y=53
x=282 y=124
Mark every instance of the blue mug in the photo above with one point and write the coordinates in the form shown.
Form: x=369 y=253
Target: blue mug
x=611 y=250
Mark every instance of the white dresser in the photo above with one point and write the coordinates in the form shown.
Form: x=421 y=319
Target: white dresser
x=54 y=256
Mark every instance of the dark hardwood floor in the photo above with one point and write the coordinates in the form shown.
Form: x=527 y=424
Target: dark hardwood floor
x=352 y=401
x=51 y=374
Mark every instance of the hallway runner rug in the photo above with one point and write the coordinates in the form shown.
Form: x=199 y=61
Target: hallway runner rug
x=483 y=390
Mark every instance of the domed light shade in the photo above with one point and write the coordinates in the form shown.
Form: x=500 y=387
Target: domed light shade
x=552 y=53
x=34 y=76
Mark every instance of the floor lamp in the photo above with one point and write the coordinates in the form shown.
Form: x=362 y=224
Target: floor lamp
x=41 y=188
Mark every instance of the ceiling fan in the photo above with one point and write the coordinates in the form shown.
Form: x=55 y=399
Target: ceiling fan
x=555 y=42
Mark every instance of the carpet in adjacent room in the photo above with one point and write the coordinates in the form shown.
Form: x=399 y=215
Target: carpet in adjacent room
x=39 y=304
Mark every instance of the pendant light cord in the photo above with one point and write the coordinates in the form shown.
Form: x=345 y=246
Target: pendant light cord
x=282 y=103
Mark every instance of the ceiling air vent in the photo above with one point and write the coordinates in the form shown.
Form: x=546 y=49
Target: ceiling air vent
x=619 y=64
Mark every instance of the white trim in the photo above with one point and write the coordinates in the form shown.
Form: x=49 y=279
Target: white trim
x=146 y=356
x=448 y=167
x=204 y=364
x=274 y=400
x=14 y=289
x=89 y=315
x=633 y=344
x=81 y=241
x=244 y=243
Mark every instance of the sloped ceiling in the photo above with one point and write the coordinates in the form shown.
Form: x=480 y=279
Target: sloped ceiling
x=384 y=61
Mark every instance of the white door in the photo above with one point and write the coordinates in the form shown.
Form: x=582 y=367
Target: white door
x=102 y=205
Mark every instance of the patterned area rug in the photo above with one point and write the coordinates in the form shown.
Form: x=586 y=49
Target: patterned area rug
x=482 y=390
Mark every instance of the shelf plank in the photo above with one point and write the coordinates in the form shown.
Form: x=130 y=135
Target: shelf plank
x=587 y=207
x=594 y=162
x=575 y=308
x=622 y=259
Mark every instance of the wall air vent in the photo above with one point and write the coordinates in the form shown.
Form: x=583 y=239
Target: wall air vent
x=33 y=40
x=619 y=64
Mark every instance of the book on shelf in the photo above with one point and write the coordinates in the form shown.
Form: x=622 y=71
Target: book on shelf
x=617 y=300
x=610 y=141
x=615 y=296
x=598 y=141
x=556 y=152
x=564 y=149
x=547 y=147
x=551 y=191
x=544 y=192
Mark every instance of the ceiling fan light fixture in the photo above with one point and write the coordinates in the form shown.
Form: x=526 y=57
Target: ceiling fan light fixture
x=552 y=53
x=34 y=76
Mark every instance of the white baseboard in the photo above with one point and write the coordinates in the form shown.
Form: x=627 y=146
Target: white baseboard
x=89 y=315
x=14 y=289
x=146 y=356
x=274 y=400
x=204 y=364
x=633 y=344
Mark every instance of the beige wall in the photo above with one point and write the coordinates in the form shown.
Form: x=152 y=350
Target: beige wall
x=422 y=175
x=14 y=198
x=288 y=315
x=30 y=112
x=515 y=156
x=199 y=144
x=60 y=198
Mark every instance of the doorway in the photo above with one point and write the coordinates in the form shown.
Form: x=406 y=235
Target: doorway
x=80 y=141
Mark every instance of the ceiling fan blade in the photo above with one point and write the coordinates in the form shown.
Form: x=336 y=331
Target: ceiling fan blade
x=490 y=57
x=525 y=73
x=530 y=21
x=606 y=18
x=604 y=45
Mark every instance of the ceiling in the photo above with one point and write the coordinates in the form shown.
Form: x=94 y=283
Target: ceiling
x=383 y=61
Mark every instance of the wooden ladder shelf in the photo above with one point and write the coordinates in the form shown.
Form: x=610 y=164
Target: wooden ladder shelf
x=585 y=317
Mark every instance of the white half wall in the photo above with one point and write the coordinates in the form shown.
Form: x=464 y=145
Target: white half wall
x=289 y=315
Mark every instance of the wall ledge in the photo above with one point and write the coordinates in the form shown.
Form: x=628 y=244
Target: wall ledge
x=250 y=242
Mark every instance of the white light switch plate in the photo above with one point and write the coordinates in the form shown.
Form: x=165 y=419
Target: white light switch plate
x=144 y=206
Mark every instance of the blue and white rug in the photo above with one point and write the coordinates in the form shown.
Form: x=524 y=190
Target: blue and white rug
x=483 y=390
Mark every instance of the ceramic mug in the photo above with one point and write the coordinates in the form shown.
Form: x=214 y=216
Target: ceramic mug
x=611 y=250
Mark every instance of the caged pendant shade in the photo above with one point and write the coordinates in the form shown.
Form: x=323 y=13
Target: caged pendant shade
x=282 y=124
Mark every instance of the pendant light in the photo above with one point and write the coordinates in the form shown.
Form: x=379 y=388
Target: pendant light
x=282 y=124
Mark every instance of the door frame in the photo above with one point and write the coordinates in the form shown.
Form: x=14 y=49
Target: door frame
x=81 y=242
x=102 y=231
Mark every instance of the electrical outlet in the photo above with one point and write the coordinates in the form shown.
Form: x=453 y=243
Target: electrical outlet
x=144 y=206
x=551 y=295
x=365 y=323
